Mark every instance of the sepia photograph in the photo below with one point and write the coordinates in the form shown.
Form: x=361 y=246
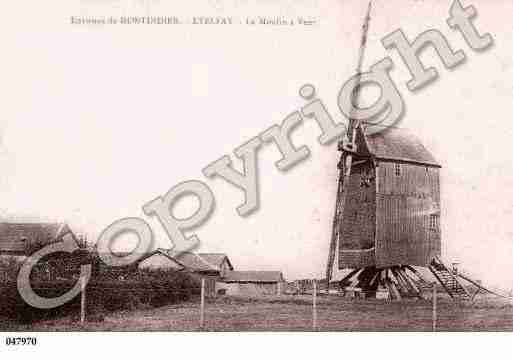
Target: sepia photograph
x=323 y=172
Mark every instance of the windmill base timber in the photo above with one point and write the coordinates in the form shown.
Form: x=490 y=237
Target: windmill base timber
x=407 y=282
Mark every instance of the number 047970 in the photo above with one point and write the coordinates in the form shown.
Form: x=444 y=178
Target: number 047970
x=20 y=341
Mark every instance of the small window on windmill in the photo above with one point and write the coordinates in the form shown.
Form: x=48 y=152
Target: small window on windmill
x=397 y=169
x=433 y=222
x=366 y=178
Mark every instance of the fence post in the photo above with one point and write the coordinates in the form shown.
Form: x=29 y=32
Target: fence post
x=314 y=323
x=202 y=315
x=82 y=299
x=434 y=307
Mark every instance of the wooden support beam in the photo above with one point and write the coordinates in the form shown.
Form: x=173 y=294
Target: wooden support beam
x=386 y=283
x=375 y=279
x=412 y=289
x=396 y=292
x=401 y=285
x=411 y=283
x=350 y=275
x=392 y=285
x=365 y=279
x=420 y=278
x=392 y=290
x=416 y=272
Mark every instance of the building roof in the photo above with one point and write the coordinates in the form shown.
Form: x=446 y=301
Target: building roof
x=253 y=276
x=198 y=262
x=23 y=237
x=216 y=259
x=399 y=144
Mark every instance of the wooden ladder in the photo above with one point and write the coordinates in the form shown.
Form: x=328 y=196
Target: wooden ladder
x=449 y=281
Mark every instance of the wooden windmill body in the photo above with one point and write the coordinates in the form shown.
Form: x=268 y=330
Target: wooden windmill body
x=389 y=219
x=387 y=211
x=392 y=210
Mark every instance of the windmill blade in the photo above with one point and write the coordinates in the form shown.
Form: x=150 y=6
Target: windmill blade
x=339 y=210
x=346 y=159
x=334 y=232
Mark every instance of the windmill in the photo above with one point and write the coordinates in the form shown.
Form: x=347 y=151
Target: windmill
x=387 y=212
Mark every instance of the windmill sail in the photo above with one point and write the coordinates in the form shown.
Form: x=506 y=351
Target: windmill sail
x=346 y=159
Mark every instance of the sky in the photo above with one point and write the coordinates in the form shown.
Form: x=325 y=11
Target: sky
x=98 y=120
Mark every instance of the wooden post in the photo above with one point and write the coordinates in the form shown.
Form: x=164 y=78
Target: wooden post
x=202 y=315
x=434 y=307
x=83 y=299
x=314 y=323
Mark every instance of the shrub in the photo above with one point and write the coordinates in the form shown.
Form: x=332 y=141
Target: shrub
x=109 y=289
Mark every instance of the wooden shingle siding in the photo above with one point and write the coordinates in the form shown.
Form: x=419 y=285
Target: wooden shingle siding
x=356 y=259
x=404 y=206
x=358 y=221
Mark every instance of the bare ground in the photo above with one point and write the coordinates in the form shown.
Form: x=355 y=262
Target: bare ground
x=294 y=313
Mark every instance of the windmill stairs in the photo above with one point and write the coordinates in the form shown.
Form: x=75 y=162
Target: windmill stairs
x=407 y=282
x=449 y=280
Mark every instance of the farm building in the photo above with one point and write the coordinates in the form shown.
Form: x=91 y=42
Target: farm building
x=21 y=240
x=24 y=239
x=211 y=266
x=253 y=283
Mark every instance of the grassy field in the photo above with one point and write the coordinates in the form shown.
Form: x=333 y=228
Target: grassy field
x=294 y=313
